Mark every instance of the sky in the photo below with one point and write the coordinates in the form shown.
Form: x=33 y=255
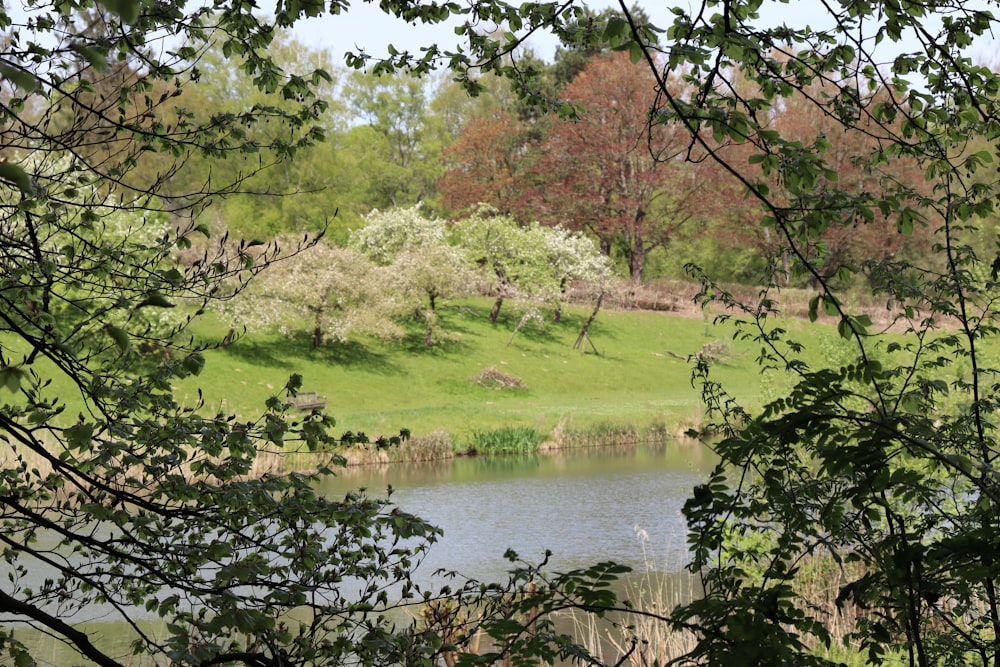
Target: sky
x=364 y=25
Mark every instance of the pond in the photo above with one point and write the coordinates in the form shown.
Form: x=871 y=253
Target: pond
x=585 y=506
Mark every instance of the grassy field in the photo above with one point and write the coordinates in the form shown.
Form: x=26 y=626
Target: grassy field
x=627 y=376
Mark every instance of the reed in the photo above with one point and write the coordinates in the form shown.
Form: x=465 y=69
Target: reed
x=503 y=440
x=611 y=434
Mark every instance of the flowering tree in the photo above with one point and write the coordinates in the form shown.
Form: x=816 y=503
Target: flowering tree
x=118 y=497
x=385 y=233
x=572 y=257
x=415 y=250
x=508 y=262
x=334 y=291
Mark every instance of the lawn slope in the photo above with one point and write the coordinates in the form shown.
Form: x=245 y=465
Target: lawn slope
x=628 y=375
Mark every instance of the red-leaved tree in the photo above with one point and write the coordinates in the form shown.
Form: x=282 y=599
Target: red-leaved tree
x=489 y=163
x=609 y=172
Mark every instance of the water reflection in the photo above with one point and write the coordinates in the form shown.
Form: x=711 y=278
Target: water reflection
x=584 y=506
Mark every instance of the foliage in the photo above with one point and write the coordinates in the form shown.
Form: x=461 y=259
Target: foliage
x=488 y=163
x=415 y=251
x=385 y=233
x=136 y=502
x=886 y=463
x=532 y=265
x=395 y=106
x=274 y=195
x=633 y=192
x=598 y=171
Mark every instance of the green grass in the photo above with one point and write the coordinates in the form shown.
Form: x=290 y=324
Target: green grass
x=628 y=380
x=379 y=387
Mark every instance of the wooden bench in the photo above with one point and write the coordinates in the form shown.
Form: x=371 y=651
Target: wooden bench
x=306 y=400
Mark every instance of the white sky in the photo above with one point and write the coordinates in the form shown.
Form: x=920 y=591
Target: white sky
x=364 y=25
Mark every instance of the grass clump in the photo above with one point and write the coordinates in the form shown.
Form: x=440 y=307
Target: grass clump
x=504 y=440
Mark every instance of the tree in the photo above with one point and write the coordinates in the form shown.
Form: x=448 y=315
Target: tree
x=597 y=172
x=338 y=290
x=571 y=257
x=876 y=239
x=489 y=162
x=406 y=165
x=884 y=465
x=604 y=173
x=557 y=258
x=117 y=493
x=415 y=251
x=509 y=263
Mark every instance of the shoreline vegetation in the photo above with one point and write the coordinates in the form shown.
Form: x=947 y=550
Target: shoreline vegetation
x=439 y=446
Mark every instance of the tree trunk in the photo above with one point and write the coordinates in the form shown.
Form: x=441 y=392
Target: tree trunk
x=317 y=337
x=495 y=312
x=578 y=345
x=521 y=323
x=605 y=242
x=636 y=258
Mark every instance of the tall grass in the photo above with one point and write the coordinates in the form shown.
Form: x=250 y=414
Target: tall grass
x=503 y=440
x=647 y=638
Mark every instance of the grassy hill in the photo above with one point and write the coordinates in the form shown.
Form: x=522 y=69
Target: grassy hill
x=628 y=375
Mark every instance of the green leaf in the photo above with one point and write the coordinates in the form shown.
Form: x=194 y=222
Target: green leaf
x=154 y=299
x=616 y=30
x=79 y=436
x=635 y=53
x=22 y=658
x=10 y=378
x=126 y=10
x=830 y=305
x=194 y=363
x=16 y=176
x=24 y=80
x=119 y=336
x=97 y=58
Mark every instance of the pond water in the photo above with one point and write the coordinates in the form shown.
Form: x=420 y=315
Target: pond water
x=586 y=506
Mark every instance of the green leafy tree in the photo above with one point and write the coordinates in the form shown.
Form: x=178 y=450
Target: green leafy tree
x=406 y=162
x=117 y=498
x=274 y=195
x=885 y=465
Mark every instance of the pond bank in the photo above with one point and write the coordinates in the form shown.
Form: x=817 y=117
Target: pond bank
x=504 y=441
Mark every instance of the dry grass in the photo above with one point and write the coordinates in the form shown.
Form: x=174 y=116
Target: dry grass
x=491 y=378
